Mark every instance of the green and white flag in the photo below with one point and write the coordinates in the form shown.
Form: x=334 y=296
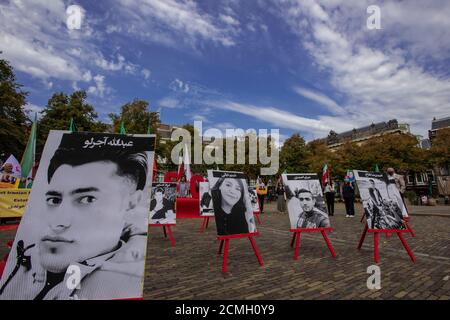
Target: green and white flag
x=28 y=157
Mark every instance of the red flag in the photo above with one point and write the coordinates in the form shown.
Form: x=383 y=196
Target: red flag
x=325 y=175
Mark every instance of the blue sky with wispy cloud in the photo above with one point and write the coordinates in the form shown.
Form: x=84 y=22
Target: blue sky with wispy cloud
x=307 y=66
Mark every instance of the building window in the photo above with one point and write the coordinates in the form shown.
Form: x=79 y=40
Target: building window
x=410 y=179
x=430 y=175
x=419 y=178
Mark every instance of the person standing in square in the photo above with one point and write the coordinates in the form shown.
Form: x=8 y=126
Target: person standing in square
x=329 y=196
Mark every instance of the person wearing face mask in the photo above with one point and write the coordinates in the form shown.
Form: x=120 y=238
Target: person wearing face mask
x=232 y=207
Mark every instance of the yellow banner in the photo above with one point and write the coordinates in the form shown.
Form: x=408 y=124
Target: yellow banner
x=13 y=202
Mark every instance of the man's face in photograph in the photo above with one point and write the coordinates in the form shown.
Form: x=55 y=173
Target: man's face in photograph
x=307 y=201
x=85 y=211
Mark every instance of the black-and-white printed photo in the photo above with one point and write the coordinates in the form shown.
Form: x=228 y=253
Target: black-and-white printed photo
x=233 y=209
x=383 y=205
x=84 y=231
x=254 y=199
x=206 y=203
x=305 y=202
x=162 y=204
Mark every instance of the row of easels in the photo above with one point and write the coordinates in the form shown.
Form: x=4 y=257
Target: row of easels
x=296 y=235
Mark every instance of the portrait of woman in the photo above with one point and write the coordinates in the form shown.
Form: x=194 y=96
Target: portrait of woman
x=232 y=206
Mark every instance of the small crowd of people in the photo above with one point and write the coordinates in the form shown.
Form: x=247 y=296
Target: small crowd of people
x=347 y=193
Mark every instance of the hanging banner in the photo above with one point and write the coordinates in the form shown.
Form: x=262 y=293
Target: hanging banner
x=13 y=202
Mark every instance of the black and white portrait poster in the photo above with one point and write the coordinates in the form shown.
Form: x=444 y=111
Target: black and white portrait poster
x=206 y=203
x=162 y=204
x=84 y=231
x=254 y=199
x=305 y=202
x=233 y=209
x=383 y=205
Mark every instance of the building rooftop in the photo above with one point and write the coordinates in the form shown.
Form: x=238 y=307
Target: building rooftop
x=365 y=132
x=440 y=123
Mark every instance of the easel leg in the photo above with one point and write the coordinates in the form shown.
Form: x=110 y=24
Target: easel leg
x=220 y=247
x=325 y=237
x=170 y=236
x=257 y=218
x=408 y=249
x=410 y=230
x=202 y=229
x=294 y=234
x=164 y=229
x=363 y=236
x=297 y=245
x=258 y=256
x=362 y=218
x=225 y=256
x=375 y=246
x=207 y=222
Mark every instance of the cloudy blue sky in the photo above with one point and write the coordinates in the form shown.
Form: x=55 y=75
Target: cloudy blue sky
x=305 y=66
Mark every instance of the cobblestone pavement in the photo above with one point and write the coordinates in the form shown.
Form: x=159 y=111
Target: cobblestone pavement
x=192 y=269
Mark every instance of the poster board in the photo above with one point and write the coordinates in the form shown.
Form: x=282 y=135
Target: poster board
x=233 y=210
x=305 y=202
x=13 y=202
x=206 y=203
x=382 y=203
x=162 y=203
x=254 y=199
x=84 y=231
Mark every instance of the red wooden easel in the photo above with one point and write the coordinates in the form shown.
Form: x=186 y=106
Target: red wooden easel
x=226 y=239
x=296 y=237
x=387 y=232
x=205 y=223
x=169 y=231
x=256 y=214
x=5 y=258
x=406 y=220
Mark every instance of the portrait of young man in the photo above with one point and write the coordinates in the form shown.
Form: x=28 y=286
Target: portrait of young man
x=84 y=231
x=306 y=206
x=383 y=210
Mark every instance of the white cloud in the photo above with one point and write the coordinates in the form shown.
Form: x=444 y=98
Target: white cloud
x=179 y=86
x=36 y=60
x=146 y=73
x=100 y=88
x=32 y=109
x=281 y=118
x=229 y=20
x=165 y=17
x=121 y=64
x=379 y=84
x=320 y=98
x=168 y=102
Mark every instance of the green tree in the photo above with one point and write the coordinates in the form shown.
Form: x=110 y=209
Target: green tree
x=61 y=108
x=294 y=155
x=14 y=123
x=439 y=153
x=137 y=118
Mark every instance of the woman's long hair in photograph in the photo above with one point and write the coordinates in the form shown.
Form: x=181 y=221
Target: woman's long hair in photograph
x=239 y=206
